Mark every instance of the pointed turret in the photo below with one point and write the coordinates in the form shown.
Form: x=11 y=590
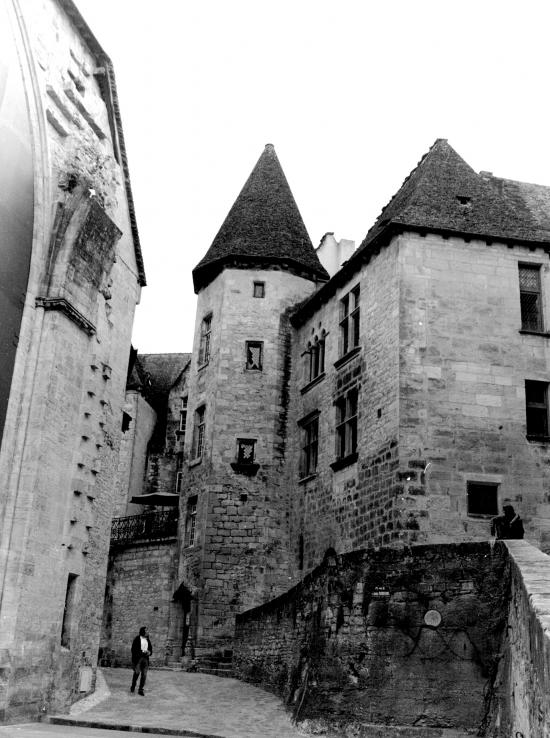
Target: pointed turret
x=444 y=194
x=263 y=228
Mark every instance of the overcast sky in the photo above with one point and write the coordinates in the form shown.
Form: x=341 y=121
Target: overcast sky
x=351 y=94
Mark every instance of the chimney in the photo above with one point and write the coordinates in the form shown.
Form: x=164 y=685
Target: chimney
x=332 y=253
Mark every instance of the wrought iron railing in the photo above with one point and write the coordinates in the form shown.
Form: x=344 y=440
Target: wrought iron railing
x=150 y=526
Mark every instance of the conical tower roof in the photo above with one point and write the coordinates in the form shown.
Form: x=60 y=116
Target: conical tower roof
x=264 y=227
x=444 y=194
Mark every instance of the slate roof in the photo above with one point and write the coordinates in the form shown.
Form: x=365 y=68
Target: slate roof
x=163 y=370
x=443 y=194
x=263 y=226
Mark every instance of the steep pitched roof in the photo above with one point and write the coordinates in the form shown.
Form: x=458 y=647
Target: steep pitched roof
x=263 y=226
x=443 y=193
x=163 y=370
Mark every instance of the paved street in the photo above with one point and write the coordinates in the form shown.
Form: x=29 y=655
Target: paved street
x=42 y=730
x=189 y=704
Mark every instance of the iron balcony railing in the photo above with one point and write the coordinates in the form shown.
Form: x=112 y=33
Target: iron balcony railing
x=150 y=526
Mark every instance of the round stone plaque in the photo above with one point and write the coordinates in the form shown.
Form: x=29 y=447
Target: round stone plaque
x=432 y=618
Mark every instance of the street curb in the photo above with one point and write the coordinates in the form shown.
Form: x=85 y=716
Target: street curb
x=106 y=725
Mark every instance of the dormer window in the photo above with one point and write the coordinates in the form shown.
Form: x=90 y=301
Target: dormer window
x=464 y=199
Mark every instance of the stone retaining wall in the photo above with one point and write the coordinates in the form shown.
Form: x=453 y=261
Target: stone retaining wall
x=394 y=636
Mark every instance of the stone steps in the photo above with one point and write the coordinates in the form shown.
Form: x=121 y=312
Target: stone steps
x=376 y=730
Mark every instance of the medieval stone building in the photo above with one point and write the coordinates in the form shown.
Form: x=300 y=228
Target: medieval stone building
x=71 y=277
x=398 y=399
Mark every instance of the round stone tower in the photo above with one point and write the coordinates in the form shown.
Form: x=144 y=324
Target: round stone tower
x=234 y=537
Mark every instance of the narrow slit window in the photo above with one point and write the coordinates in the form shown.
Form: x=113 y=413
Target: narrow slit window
x=191 y=521
x=69 y=611
x=349 y=321
x=198 y=432
x=346 y=425
x=204 y=347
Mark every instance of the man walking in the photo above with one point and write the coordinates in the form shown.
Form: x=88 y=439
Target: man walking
x=141 y=650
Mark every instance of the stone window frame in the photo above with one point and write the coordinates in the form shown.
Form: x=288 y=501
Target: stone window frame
x=191 y=521
x=530 y=290
x=249 y=364
x=199 y=432
x=350 y=313
x=347 y=406
x=241 y=465
x=179 y=473
x=182 y=416
x=205 y=340
x=309 y=446
x=69 y=611
x=258 y=289
x=536 y=410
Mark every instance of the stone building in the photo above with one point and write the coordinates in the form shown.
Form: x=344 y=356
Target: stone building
x=71 y=277
x=397 y=397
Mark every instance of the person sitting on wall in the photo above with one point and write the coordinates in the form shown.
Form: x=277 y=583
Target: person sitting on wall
x=508 y=525
x=141 y=650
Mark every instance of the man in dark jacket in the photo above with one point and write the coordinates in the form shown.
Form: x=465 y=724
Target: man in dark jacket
x=508 y=525
x=141 y=650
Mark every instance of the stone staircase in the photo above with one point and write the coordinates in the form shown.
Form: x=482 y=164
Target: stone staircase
x=219 y=663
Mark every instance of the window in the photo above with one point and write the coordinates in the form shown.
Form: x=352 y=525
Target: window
x=316 y=358
x=259 y=289
x=536 y=408
x=530 y=297
x=179 y=473
x=126 y=420
x=310 y=446
x=245 y=450
x=198 y=433
x=191 y=521
x=482 y=499
x=183 y=416
x=349 y=321
x=68 y=612
x=346 y=425
x=254 y=355
x=204 y=348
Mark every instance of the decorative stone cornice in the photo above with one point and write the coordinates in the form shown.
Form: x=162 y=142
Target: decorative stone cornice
x=64 y=306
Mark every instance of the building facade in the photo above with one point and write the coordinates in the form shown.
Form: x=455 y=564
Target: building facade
x=71 y=277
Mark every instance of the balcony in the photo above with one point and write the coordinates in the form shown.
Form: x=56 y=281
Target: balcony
x=152 y=526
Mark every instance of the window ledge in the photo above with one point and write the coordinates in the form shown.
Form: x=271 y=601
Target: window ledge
x=249 y=470
x=538 y=439
x=345 y=461
x=309 y=385
x=347 y=357
x=526 y=332
x=194 y=462
x=308 y=478
x=482 y=516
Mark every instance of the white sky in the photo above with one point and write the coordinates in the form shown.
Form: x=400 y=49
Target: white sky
x=351 y=93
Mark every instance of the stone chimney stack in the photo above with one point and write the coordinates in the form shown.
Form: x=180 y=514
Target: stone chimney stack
x=332 y=253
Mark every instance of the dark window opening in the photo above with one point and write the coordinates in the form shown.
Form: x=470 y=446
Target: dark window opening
x=204 y=347
x=349 y=321
x=183 y=416
x=301 y=552
x=530 y=297
x=198 y=432
x=346 y=424
x=191 y=521
x=310 y=447
x=68 y=612
x=259 y=289
x=254 y=355
x=126 y=420
x=536 y=408
x=482 y=499
x=245 y=450
x=316 y=359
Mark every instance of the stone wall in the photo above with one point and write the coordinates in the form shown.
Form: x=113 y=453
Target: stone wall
x=521 y=692
x=395 y=636
x=140 y=586
x=463 y=366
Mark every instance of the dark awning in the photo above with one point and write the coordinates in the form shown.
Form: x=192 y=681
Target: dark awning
x=164 y=499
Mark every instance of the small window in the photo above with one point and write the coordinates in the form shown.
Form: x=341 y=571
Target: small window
x=346 y=425
x=179 y=473
x=191 y=521
x=126 y=420
x=482 y=499
x=316 y=358
x=530 y=297
x=68 y=612
x=245 y=450
x=259 y=289
x=183 y=416
x=349 y=321
x=254 y=355
x=310 y=446
x=536 y=408
x=198 y=432
x=204 y=348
